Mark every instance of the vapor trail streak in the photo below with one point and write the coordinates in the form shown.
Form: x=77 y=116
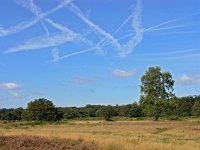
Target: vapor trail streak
x=100 y=31
x=25 y=25
x=88 y=49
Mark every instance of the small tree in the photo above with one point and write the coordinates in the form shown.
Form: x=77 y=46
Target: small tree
x=156 y=86
x=41 y=109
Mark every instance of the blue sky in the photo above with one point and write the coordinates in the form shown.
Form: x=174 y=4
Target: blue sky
x=77 y=52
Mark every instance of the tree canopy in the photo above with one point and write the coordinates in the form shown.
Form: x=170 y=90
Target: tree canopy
x=41 y=109
x=155 y=87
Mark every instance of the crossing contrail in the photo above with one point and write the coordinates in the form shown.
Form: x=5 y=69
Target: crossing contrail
x=27 y=24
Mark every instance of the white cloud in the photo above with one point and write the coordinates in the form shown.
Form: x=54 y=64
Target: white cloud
x=187 y=80
x=81 y=80
x=123 y=74
x=16 y=95
x=10 y=86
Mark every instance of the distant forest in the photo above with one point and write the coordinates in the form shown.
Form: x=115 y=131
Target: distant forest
x=179 y=107
x=157 y=100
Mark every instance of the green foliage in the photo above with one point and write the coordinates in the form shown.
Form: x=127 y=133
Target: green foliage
x=11 y=114
x=157 y=84
x=106 y=112
x=172 y=109
x=135 y=111
x=72 y=113
x=184 y=106
x=196 y=107
x=41 y=110
x=90 y=110
x=156 y=87
x=124 y=110
x=160 y=130
x=158 y=108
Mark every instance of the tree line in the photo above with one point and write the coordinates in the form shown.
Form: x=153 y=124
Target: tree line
x=157 y=100
x=173 y=110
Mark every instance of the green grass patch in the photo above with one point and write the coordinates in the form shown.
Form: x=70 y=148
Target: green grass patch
x=160 y=130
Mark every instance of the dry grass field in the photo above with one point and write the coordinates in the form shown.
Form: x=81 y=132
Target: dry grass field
x=118 y=135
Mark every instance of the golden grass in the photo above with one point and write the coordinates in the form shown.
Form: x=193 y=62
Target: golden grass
x=122 y=135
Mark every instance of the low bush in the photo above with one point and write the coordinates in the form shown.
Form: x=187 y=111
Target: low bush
x=41 y=143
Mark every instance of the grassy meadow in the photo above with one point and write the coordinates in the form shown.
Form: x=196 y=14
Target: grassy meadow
x=116 y=135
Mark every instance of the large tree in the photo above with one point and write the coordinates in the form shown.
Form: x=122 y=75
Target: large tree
x=156 y=87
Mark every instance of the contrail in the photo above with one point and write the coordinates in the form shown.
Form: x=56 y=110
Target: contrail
x=176 y=52
x=100 y=31
x=89 y=49
x=73 y=54
x=117 y=30
x=169 y=21
x=67 y=30
x=55 y=53
x=178 y=32
x=161 y=24
x=123 y=50
x=181 y=56
x=25 y=25
x=59 y=26
x=139 y=31
x=30 y=5
x=43 y=42
x=171 y=55
x=167 y=28
x=98 y=44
